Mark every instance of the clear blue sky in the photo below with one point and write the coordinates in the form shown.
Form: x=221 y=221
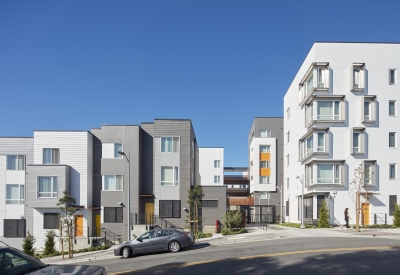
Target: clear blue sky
x=74 y=65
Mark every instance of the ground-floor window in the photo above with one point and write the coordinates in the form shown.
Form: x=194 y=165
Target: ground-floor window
x=392 y=202
x=113 y=214
x=14 y=228
x=51 y=221
x=170 y=208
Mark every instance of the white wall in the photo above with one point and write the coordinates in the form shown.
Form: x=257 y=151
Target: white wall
x=378 y=58
x=207 y=171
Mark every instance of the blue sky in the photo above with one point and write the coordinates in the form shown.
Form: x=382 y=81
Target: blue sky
x=74 y=65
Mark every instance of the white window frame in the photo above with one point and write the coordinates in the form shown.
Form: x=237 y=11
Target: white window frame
x=265 y=133
x=266 y=165
x=336 y=172
x=394 y=165
x=264 y=195
x=394 y=102
x=331 y=117
x=53 y=193
x=310 y=144
x=360 y=132
x=287 y=160
x=55 y=153
x=357 y=77
x=116 y=184
x=372 y=168
x=18 y=165
x=371 y=117
x=287 y=113
x=265 y=179
x=217 y=163
x=392 y=76
x=217 y=179
x=21 y=194
x=175 y=144
x=287 y=137
x=267 y=148
x=175 y=176
x=395 y=139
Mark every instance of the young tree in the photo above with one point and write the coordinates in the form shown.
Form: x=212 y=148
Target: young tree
x=194 y=202
x=28 y=244
x=67 y=221
x=396 y=215
x=323 y=216
x=232 y=219
x=362 y=174
x=49 y=243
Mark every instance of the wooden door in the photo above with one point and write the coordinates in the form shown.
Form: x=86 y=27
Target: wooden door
x=78 y=225
x=98 y=224
x=149 y=211
x=365 y=213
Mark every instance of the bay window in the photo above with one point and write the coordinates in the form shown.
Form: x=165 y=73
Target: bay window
x=325 y=173
x=316 y=79
x=314 y=142
x=169 y=175
x=328 y=110
x=47 y=187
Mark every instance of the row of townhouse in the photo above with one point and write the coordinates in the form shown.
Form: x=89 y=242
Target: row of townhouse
x=160 y=161
x=341 y=111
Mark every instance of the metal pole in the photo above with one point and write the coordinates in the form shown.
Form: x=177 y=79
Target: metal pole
x=280 y=189
x=129 y=196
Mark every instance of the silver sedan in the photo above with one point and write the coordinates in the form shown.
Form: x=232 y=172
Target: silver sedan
x=155 y=240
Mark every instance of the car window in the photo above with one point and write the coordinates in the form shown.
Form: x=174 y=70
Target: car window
x=11 y=263
x=163 y=233
x=147 y=235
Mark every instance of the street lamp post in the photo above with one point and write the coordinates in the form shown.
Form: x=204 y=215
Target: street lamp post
x=280 y=189
x=128 y=158
x=302 y=201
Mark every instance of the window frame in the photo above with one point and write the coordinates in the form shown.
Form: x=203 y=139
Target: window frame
x=392 y=201
x=117 y=218
x=55 y=156
x=217 y=179
x=394 y=108
x=175 y=176
x=52 y=220
x=391 y=176
x=267 y=164
x=206 y=203
x=395 y=140
x=371 y=164
x=360 y=68
x=266 y=131
x=392 y=80
x=335 y=103
x=361 y=141
x=116 y=183
x=18 y=232
x=267 y=148
x=217 y=163
x=52 y=192
x=116 y=154
x=21 y=193
x=267 y=179
x=337 y=174
x=175 y=145
x=174 y=207
x=17 y=164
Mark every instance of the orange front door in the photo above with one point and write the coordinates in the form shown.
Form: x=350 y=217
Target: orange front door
x=78 y=225
x=365 y=213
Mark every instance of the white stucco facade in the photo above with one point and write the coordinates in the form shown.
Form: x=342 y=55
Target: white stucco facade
x=211 y=166
x=341 y=110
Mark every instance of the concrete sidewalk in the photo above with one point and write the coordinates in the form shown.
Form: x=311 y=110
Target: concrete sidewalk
x=254 y=234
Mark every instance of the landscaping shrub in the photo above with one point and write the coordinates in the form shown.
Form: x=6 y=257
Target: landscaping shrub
x=243 y=230
x=50 y=243
x=323 y=216
x=28 y=243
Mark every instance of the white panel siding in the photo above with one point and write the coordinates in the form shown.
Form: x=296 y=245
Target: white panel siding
x=38 y=232
x=207 y=171
x=15 y=177
x=107 y=150
x=2 y=193
x=14 y=211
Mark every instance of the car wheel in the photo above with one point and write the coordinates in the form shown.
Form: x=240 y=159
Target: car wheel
x=174 y=246
x=126 y=253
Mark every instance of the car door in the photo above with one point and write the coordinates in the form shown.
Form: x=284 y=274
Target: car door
x=145 y=242
x=162 y=239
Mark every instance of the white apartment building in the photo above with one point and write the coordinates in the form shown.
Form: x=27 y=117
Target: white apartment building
x=341 y=111
x=211 y=166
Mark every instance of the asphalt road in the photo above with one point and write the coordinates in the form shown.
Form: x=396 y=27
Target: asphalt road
x=278 y=256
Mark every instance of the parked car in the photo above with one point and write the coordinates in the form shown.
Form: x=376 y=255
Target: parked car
x=155 y=240
x=14 y=261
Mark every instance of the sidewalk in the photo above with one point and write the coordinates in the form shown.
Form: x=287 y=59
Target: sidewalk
x=81 y=257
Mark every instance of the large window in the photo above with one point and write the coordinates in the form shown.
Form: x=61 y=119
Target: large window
x=113 y=183
x=265 y=133
x=15 y=162
x=170 y=144
x=328 y=173
x=47 y=187
x=209 y=203
x=51 y=221
x=392 y=203
x=392 y=76
x=265 y=179
x=264 y=148
x=169 y=175
x=15 y=194
x=392 y=140
x=170 y=208
x=113 y=214
x=14 y=227
x=328 y=110
x=51 y=156
x=392 y=171
x=392 y=108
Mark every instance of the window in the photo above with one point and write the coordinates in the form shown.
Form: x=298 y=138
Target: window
x=113 y=183
x=287 y=183
x=357 y=77
x=264 y=148
x=217 y=179
x=15 y=162
x=113 y=215
x=170 y=209
x=392 y=171
x=308 y=147
x=51 y=156
x=264 y=195
x=265 y=133
x=314 y=142
x=328 y=110
x=392 y=202
x=169 y=175
x=47 y=187
x=309 y=84
x=356 y=142
x=321 y=142
x=117 y=148
x=51 y=221
x=287 y=136
x=392 y=140
x=264 y=179
x=287 y=208
x=392 y=108
x=14 y=228
x=287 y=113
x=171 y=144
x=216 y=163
x=15 y=194
x=209 y=203
x=264 y=164
x=392 y=76
x=369 y=172
x=315 y=79
x=287 y=160
x=328 y=173
x=321 y=75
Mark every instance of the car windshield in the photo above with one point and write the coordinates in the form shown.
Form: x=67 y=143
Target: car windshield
x=147 y=235
x=13 y=262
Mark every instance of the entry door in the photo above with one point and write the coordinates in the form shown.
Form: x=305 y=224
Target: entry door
x=365 y=212
x=78 y=225
x=149 y=211
x=98 y=224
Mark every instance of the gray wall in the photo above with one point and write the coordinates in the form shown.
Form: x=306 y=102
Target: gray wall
x=211 y=214
x=275 y=124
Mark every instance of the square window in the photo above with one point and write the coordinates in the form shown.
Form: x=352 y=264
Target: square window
x=113 y=215
x=47 y=187
x=14 y=228
x=392 y=140
x=170 y=144
x=16 y=162
x=392 y=108
x=170 y=208
x=264 y=148
x=15 y=194
x=264 y=164
x=113 y=183
x=51 y=156
x=265 y=133
x=117 y=148
x=217 y=179
x=264 y=179
x=392 y=171
x=51 y=221
x=169 y=175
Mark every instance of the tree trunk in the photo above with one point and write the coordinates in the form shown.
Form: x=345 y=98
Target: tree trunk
x=358 y=210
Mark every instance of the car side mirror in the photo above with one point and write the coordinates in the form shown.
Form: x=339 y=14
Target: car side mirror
x=140 y=240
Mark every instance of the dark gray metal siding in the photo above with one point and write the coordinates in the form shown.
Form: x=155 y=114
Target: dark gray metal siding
x=210 y=215
x=147 y=186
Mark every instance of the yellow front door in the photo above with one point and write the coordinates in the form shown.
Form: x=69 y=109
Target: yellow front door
x=365 y=213
x=78 y=225
x=149 y=211
x=98 y=224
